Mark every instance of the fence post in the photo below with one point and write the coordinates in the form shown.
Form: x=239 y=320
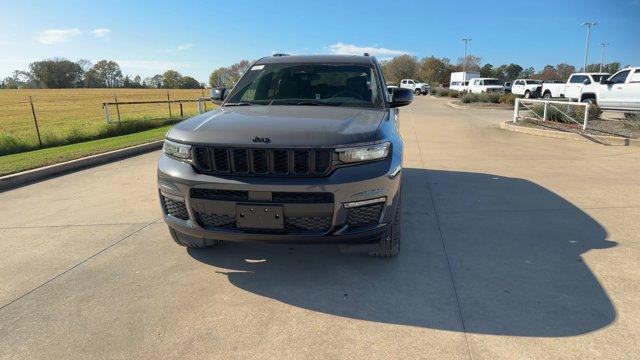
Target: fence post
x=515 y=111
x=35 y=120
x=199 y=105
x=181 y=113
x=586 y=116
x=118 y=110
x=544 y=114
x=169 y=103
x=105 y=106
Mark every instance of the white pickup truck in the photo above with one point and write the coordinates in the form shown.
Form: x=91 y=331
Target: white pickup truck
x=620 y=92
x=417 y=86
x=526 y=87
x=574 y=88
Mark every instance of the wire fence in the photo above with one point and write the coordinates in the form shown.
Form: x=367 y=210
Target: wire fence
x=37 y=118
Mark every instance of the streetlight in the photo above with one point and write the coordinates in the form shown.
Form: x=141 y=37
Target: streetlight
x=604 y=44
x=589 y=25
x=464 y=60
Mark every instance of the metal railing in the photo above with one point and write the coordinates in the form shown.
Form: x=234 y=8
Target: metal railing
x=529 y=104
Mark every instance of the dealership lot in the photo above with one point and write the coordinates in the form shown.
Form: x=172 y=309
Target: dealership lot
x=514 y=246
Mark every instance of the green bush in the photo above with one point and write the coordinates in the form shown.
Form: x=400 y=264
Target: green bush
x=454 y=94
x=508 y=99
x=491 y=98
x=632 y=121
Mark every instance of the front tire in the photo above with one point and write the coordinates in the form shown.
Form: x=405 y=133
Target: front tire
x=191 y=242
x=527 y=94
x=389 y=244
x=547 y=95
x=589 y=101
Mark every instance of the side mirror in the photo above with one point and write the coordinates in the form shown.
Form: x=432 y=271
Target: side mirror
x=401 y=97
x=586 y=82
x=605 y=81
x=218 y=94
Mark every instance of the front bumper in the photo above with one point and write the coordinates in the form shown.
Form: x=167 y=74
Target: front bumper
x=177 y=181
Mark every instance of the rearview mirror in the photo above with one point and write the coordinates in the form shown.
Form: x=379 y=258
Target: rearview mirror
x=401 y=97
x=218 y=94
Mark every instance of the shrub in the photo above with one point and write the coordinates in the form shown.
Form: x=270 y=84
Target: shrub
x=555 y=112
x=454 y=94
x=470 y=98
x=632 y=121
x=492 y=98
x=508 y=99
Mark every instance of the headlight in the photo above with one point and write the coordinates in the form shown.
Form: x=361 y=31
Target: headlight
x=364 y=153
x=177 y=150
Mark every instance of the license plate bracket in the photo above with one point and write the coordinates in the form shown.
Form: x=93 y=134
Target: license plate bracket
x=256 y=216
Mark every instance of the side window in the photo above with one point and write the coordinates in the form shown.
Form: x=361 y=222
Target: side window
x=411 y=82
x=635 y=78
x=620 y=77
x=575 y=79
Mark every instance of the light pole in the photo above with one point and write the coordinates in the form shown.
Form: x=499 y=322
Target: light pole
x=604 y=44
x=464 y=59
x=589 y=25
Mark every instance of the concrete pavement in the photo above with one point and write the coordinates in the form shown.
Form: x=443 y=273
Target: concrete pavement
x=514 y=246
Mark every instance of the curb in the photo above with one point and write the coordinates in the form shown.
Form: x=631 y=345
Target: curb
x=599 y=139
x=12 y=181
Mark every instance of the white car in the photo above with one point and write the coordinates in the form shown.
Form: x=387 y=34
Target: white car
x=528 y=88
x=417 y=86
x=482 y=85
x=576 y=85
x=620 y=92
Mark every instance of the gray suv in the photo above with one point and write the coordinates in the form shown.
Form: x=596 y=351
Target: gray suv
x=304 y=149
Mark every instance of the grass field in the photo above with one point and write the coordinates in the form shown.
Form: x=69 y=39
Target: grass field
x=10 y=164
x=77 y=113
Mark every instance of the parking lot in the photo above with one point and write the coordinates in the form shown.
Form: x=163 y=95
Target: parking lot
x=514 y=246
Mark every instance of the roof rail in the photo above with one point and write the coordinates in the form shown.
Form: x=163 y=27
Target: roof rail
x=279 y=54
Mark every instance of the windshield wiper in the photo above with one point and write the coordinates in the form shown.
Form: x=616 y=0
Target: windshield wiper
x=300 y=102
x=242 y=103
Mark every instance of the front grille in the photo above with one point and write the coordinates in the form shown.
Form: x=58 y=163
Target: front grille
x=310 y=223
x=364 y=215
x=267 y=162
x=174 y=208
x=216 y=220
x=302 y=197
x=292 y=224
x=216 y=194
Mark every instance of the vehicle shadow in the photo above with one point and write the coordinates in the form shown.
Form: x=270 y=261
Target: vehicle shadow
x=513 y=247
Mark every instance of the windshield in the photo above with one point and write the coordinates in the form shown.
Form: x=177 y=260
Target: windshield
x=597 y=78
x=492 y=82
x=531 y=82
x=309 y=84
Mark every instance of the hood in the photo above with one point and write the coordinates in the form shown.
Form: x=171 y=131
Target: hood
x=282 y=125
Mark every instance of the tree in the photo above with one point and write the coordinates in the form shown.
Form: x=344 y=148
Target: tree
x=171 y=79
x=153 y=81
x=187 y=82
x=486 y=70
x=56 y=73
x=104 y=73
x=547 y=73
x=563 y=71
x=434 y=70
x=527 y=73
x=228 y=76
x=400 y=67
x=220 y=77
x=471 y=63
x=606 y=68
x=512 y=71
x=19 y=79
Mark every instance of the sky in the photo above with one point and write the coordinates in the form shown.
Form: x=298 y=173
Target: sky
x=149 y=37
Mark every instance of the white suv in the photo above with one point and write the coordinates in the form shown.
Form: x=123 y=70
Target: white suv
x=482 y=85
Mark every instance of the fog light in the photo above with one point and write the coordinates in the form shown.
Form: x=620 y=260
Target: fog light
x=365 y=202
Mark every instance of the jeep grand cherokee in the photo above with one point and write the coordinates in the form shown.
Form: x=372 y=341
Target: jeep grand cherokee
x=303 y=149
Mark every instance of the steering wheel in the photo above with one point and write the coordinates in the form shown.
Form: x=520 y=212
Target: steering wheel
x=348 y=93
